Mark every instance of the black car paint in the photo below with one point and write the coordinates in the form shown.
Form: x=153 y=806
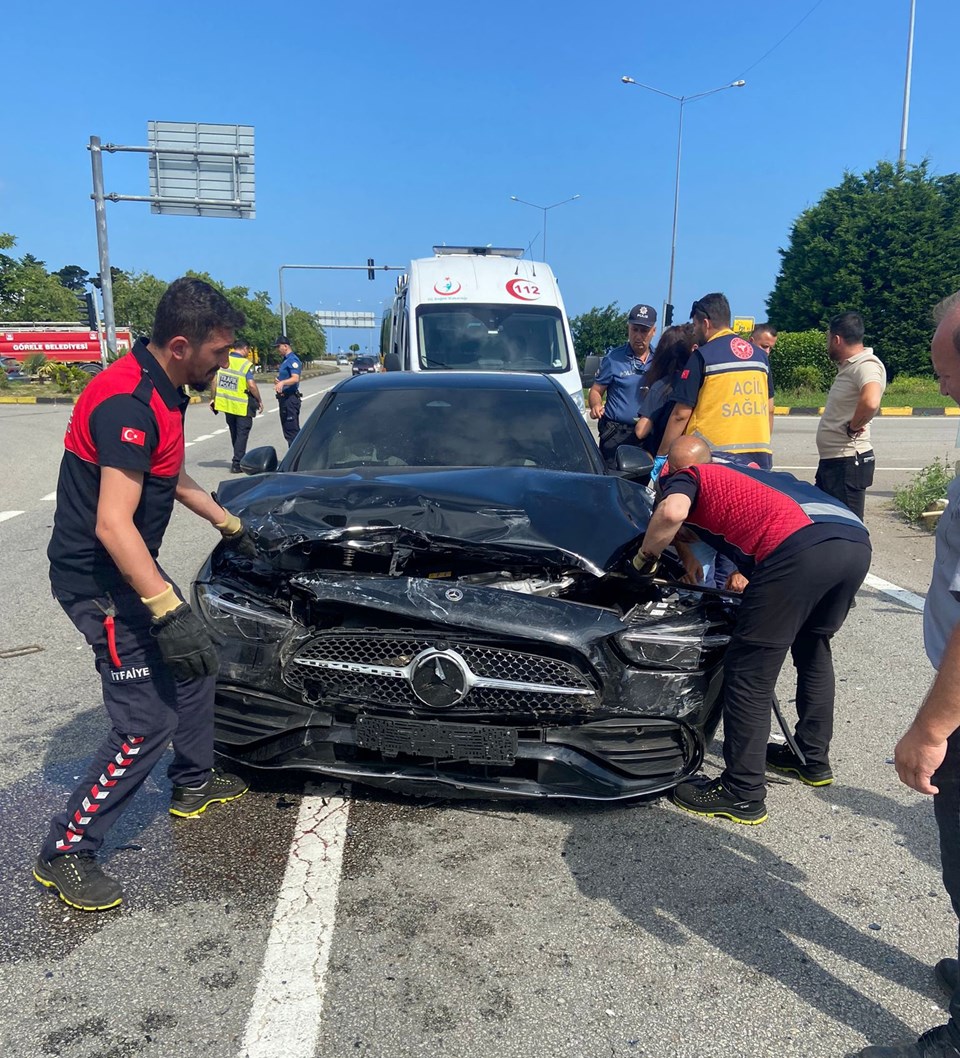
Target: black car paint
x=517 y=567
x=640 y=731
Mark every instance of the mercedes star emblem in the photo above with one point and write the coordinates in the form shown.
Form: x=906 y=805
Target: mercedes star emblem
x=439 y=680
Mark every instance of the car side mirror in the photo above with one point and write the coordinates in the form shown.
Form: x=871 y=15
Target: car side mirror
x=391 y=362
x=635 y=464
x=260 y=460
x=591 y=365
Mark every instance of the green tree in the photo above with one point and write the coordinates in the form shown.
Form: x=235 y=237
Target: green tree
x=887 y=244
x=28 y=292
x=135 y=299
x=306 y=334
x=598 y=330
x=73 y=277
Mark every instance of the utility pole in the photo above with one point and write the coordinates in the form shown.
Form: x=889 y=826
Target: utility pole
x=906 y=88
x=103 y=250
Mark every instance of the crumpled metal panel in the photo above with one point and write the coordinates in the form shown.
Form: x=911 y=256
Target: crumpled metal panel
x=549 y=518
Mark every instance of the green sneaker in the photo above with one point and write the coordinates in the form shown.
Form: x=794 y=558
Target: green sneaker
x=709 y=797
x=80 y=881
x=190 y=801
x=784 y=760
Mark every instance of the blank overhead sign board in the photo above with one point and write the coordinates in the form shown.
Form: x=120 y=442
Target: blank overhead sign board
x=346 y=319
x=198 y=166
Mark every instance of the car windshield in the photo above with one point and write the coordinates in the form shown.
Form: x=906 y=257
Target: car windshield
x=364 y=361
x=492 y=338
x=444 y=428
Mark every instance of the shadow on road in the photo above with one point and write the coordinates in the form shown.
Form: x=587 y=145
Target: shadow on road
x=676 y=879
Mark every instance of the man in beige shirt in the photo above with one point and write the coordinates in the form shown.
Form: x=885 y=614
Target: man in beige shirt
x=846 y=466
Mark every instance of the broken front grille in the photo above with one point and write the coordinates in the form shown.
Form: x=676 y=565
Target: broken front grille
x=376 y=667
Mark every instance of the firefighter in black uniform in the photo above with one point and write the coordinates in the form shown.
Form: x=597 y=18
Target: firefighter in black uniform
x=122 y=469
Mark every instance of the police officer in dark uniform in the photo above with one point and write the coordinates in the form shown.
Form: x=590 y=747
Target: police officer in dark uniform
x=287 y=388
x=621 y=378
x=806 y=556
x=121 y=471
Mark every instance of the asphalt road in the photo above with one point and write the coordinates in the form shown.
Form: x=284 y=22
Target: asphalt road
x=477 y=930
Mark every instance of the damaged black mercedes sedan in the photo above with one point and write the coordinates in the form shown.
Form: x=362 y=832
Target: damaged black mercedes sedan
x=437 y=604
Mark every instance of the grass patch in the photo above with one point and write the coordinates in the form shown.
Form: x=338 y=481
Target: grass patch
x=922 y=493
x=906 y=391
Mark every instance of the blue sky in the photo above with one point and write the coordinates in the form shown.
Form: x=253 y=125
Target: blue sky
x=382 y=129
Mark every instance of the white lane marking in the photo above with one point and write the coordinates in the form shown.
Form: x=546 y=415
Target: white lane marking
x=878 y=470
x=223 y=429
x=285 y=1016
x=49 y=496
x=894 y=591
x=4 y=515
x=202 y=437
x=186 y=444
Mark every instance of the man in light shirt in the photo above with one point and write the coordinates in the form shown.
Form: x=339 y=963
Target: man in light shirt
x=846 y=466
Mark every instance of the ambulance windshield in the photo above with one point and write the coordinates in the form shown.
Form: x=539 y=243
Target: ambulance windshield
x=491 y=338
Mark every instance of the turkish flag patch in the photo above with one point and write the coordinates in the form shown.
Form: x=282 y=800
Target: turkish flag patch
x=132 y=436
x=685 y=373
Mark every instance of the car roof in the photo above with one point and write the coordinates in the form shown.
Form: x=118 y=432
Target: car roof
x=500 y=380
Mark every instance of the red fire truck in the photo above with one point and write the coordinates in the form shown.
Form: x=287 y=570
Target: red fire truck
x=66 y=343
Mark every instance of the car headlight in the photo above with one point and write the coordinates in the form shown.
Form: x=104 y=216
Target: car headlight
x=231 y=614
x=668 y=650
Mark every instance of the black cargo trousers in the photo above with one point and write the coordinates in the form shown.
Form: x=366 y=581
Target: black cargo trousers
x=147 y=706
x=794 y=604
x=946 y=806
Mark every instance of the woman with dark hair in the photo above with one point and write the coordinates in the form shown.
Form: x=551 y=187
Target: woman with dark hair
x=675 y=346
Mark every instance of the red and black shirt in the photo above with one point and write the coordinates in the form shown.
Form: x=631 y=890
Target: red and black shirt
x=750 y=515
x=130 y=417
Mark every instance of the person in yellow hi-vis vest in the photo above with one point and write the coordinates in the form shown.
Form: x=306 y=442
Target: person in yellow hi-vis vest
x=239 y=399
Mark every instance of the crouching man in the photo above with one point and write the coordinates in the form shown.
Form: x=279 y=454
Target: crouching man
x=121 y=471
x=805 y=555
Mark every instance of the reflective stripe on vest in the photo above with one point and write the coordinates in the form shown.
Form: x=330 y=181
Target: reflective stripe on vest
x=231 y=395
x=732 y=412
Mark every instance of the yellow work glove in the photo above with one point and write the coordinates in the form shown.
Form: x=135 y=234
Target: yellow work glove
x=166 y=602
x=234 y=532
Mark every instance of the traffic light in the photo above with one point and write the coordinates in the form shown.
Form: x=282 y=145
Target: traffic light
x=369 y=268
x=667 y=315
x=88 y=309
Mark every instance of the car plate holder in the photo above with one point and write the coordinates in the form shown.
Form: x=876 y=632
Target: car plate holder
x=475 y=743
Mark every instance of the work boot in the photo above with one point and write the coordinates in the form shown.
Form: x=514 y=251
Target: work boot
x=946 y=972
x=935 y=1043
x=189 y=801
x=235 y=468
x=80 y=881
x=709 y=797
x=784 y=760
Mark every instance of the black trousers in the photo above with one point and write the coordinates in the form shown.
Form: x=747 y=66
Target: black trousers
x=946 y=806
x=612 y=435
x=147 y=707
x=290 y=416
x=239 y=427
x=847 y=479
x=797 y=603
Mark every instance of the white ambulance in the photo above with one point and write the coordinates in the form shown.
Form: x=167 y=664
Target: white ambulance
x=480 y=308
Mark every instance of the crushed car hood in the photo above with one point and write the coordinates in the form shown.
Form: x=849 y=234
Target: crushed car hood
x=554 y=518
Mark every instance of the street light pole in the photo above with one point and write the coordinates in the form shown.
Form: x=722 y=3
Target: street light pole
x=523 y=202
x=906 y=87
x=682 y=100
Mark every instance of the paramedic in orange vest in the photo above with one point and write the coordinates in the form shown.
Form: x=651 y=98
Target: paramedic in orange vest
x=725 y=394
